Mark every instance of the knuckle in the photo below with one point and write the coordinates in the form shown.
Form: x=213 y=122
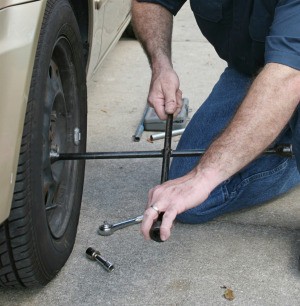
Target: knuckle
x=150 y=191
x=147 y=214
x=151 y=100
x=168 y=215
x=156 y=189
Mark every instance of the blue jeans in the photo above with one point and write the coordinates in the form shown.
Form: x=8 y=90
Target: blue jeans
x=262 y=180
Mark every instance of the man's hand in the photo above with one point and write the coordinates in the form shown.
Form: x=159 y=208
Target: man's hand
x=164 y=94
x=264 y=112
x=153 y=25
x=174 y=197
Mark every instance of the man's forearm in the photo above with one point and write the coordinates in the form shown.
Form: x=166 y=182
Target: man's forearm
x=263 y=114
x=153 y=26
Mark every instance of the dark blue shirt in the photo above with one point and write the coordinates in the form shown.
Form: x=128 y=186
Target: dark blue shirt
x=248 y=33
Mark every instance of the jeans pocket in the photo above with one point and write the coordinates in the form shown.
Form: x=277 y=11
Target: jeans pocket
x=210 y=10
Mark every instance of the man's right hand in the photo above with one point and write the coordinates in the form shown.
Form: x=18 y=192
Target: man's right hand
x=153 y=25
x=164 y=94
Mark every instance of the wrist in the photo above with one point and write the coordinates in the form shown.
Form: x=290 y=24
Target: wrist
x=160 y=63
x=208 y=178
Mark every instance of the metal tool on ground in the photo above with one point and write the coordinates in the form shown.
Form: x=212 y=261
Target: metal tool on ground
x=107 y=229
x=153 y=123
x=140 y=128
x=92 y=254
x=155 y=229
x=163 y=135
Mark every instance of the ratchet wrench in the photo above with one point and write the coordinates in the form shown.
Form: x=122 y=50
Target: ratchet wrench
x=107 y=229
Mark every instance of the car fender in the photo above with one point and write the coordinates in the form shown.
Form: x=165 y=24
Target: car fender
x=19 y=33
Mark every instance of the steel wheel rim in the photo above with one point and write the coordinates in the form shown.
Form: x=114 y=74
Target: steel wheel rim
x=60 y=117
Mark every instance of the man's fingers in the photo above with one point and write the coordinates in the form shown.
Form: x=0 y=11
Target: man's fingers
x=170 y=105
x=161 y=113
x=150 y=196
x=167 y=223
x=174 y=106
x=159 y=105
x=171 y=100
x=164 y=93
x=150 y=215
x=179 y=102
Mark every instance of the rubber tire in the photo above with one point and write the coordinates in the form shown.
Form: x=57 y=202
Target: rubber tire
x=30 y=254
x=129 y=32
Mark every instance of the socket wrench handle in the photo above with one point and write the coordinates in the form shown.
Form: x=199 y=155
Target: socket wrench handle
x=107 y=229
x=155 y=229
x=95 y=255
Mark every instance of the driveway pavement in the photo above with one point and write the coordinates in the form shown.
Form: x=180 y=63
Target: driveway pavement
x=255 y=252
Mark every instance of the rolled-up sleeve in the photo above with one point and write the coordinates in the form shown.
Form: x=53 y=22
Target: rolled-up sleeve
x=171 y=5
x=283 y=41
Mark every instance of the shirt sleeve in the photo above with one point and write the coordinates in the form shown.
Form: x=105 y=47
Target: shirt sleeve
x=171 y=5
x=283 y=41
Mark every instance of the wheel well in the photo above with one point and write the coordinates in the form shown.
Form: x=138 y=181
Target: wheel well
x=82 y=15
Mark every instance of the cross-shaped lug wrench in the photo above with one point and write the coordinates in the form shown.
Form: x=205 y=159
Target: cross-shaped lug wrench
x=107 y=229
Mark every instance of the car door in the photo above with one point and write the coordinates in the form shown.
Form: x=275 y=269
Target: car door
x=116 y=13
x=96 y=20
x=108 y=19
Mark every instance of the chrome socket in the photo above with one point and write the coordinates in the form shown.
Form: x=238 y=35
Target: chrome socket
x=96 y=256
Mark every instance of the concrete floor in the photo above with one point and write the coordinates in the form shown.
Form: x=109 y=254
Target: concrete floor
x=254 y=252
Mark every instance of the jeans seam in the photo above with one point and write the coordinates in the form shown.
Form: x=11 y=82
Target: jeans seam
x=225 y=193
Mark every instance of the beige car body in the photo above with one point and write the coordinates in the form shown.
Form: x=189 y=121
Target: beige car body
x=20 y=24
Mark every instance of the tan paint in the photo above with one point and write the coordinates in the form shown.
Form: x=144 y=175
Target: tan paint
x=19 y=33
x=7 y=3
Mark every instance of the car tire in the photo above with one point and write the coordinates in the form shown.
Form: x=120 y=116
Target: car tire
x=129 y=32
x=39 y=235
